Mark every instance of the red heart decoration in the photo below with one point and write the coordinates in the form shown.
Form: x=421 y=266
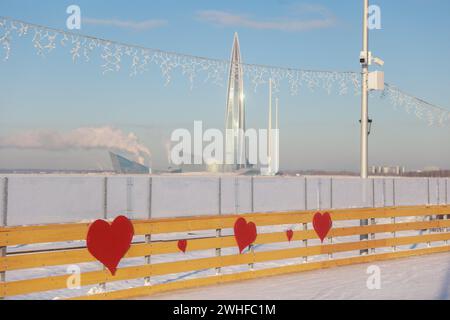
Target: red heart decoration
x=182 y=245
x=109 y=243
x=290 y=235
x=244 y=233
x=322 y=224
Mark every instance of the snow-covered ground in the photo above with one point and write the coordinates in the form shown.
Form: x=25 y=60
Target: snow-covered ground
x=425 y=277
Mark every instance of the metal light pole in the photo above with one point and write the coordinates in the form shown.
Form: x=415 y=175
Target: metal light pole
x=365 y=95
x=364 y=59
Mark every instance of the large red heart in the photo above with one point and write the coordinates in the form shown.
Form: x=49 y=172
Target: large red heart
x=244 y=233
x=322 y=224
x=109 y=243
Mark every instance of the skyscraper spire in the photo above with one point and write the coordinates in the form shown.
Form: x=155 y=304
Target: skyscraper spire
x=270 y=137
x=273 y=138
x=235 y=143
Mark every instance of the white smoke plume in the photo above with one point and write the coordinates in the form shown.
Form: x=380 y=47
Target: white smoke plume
x=107 y=138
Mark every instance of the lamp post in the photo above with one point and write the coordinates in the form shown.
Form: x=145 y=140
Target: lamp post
x=364 y=60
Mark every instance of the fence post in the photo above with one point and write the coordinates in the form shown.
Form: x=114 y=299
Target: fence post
x=130 y=186
x=251 y=248
x=252 y=196
x=330 y=255
x=148 y=237
x=4 y=223
x=393 y=219
x=430 y=218
x=306 y=194
x=364 y=222
x=305 y=225
x=373 y=220
x=219 y=231
x=446 y=191
x=438 y=190
x=102 y=286
x=446 y=202
x=236 y=195
x=438 y=202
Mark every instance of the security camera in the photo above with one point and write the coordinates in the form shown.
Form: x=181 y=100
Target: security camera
x=363 y=58
x=378 y=61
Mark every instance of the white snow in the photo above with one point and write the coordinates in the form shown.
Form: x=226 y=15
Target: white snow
x=425 y=277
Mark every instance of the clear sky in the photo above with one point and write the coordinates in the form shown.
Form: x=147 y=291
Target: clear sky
x=318 y=131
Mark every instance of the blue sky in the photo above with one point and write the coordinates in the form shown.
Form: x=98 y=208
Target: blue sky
x=317 y=131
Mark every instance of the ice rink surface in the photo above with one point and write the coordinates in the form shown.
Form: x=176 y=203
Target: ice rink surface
x=424 y=278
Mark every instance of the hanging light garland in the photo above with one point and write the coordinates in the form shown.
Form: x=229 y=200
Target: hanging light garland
x=140 y=59
x=114 y=54
x=434 y=115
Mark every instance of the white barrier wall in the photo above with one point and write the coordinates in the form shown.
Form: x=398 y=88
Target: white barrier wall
x=189 y=196
x=41 y=199
x=351 y=193
x=275 y=194
x=34 y=200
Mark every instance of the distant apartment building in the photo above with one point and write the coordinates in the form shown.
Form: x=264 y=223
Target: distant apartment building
x=387 y=170
x=431 y=169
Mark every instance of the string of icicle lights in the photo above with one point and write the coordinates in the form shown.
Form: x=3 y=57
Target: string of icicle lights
x=114 y=55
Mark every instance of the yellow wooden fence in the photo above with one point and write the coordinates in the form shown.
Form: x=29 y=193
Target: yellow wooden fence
x=433 y=219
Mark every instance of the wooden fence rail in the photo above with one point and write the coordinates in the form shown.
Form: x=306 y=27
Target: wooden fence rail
x=299 y=248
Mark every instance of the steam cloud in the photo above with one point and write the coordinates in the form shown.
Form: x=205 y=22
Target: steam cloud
x=82 y=138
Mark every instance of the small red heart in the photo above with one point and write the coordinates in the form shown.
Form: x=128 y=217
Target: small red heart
x=290 y=235
x=109 y=243
x=182 y=245
x=322 y=224
x=244 y=233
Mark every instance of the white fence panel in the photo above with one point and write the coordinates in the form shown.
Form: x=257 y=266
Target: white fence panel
x=279 y=194
x=184 y=196
x=41 y=200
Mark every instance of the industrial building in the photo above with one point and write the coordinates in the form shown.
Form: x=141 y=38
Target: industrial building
x=122 y=165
